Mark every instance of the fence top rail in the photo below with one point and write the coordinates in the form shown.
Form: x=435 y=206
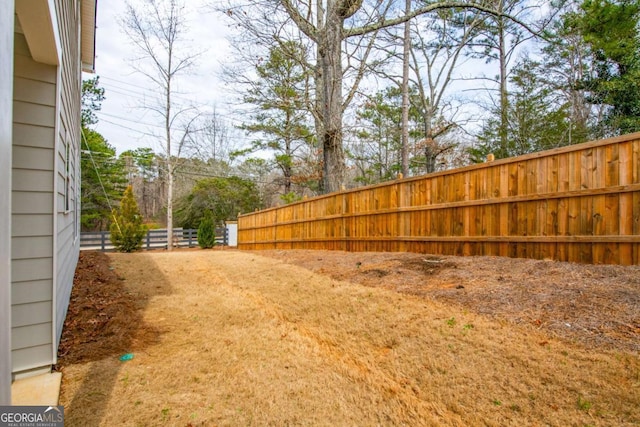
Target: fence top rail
x=155 y=233
x=151 y=231
x=525 y=157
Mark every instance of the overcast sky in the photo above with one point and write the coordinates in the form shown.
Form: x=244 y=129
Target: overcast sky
x=122 y=120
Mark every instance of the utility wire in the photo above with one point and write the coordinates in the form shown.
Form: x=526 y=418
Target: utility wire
x=129 y=128
x=179 y=170
x=244 y=139
x=95 y=167
x=142 y=91
x=102 y=113
x=148 y=93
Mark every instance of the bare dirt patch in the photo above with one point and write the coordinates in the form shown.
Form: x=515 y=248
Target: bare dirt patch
x=238 y=338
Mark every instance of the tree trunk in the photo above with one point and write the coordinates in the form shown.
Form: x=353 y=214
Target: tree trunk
x=430 y=155
x=404 y=153
x=318 y=117
x=170 y=208
x=169 y=164
x=429 y=143
x=287 y=169
x=504 y=100
x=330 y=57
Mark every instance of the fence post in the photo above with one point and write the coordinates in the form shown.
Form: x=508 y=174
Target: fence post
x=190 y=236
x=148 y=239
x=102 y=241
x=225 y=238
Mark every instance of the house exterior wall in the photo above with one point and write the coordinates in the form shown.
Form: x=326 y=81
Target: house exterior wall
x=45 y=169
x=6 y=101
x=67 y=173
x=34 y=123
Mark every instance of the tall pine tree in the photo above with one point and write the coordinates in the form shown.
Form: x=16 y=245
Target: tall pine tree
x=612 y=30
x=281 y=118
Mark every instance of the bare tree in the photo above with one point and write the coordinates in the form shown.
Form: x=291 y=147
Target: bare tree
x=437 y=50
x=156 y=28
x=499 y=40
x=213 y=142
x=436 y=44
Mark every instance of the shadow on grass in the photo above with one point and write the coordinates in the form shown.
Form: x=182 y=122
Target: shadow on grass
x=104 y=321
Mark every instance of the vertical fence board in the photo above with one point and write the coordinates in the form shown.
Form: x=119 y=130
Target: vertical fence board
x=600 y=166
x=612 y=174
x=635 y=159
x=575 y=171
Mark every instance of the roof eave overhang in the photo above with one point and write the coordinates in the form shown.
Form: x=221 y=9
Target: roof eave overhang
x=88 y=35
x=39 y=23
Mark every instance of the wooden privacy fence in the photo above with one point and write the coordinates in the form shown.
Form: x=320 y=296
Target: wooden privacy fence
x=579 y=203
x=155 y=239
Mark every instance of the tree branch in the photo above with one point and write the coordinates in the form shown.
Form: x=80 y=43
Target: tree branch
x=305 y=26
x=385 y=23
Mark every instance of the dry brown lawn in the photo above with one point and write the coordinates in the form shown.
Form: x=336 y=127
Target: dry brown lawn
x=241 y=338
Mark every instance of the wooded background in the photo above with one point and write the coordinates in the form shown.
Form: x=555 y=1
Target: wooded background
x=579 y=203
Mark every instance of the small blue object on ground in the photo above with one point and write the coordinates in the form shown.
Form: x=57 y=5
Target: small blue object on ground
x=126 y=357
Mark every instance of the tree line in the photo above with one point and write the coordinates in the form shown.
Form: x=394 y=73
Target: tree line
x=340 y=93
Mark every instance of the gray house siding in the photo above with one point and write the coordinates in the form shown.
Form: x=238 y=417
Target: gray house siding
x=6 y=140
x=67 y=160
x=34 y=120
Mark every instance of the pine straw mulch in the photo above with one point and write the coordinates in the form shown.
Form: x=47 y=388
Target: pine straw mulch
x=596 y=305
x=103 y=318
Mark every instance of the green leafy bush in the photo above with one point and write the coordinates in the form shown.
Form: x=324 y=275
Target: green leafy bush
x=127 y=229
x=224 y=197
